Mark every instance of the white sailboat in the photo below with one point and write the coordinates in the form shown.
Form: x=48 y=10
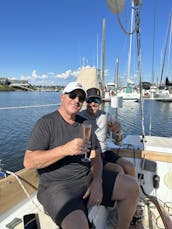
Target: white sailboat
x=130 y=92
x=163 y=92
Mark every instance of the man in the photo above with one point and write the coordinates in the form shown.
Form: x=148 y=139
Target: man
x=67 y=185
x=98 y=118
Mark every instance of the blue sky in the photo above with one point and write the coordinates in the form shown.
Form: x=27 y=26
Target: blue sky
x=48 y=41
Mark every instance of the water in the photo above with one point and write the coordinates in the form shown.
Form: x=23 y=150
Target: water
x=16 y=124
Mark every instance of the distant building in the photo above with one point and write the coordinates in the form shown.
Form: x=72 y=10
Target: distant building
x=4 y=81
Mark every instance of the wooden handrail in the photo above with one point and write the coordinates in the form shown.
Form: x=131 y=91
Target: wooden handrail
x=146 y=154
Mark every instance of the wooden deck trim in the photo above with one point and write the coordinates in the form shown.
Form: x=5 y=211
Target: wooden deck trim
x=11 y=192
x=145 y=154
x=157 y=156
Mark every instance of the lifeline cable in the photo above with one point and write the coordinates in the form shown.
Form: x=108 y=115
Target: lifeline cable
x=30 y=106
x=25 y=191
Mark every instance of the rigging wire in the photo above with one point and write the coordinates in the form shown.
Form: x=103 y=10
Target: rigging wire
x=31 y=106
x=165 y=52
x=169 y=47
x=123 y=28
x=116 y=7
x=140 y=69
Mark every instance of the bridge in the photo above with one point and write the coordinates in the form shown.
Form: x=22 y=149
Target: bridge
x=21 y=86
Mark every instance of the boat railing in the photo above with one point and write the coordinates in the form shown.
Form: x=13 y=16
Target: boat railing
x=29 y=106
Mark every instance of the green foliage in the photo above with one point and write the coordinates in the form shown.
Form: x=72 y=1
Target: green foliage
x=6 y=88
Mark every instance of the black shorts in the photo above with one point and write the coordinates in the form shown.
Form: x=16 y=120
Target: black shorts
x=109 y=156
x=61 y=200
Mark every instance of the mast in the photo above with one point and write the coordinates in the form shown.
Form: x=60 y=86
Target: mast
x=131 y=39
x=169 y=47
x=166 y=47
x=117 y=73
x=139 y=63
x=103 y=53
x=97 y=53
x=153 y=52
x=97 y=60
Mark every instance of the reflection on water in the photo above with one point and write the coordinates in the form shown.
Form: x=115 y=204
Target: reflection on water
x=156 y=112
x=16 y=124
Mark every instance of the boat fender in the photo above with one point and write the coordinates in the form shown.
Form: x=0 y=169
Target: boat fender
x=116 y=102
x=2 y=175
x=156 y=180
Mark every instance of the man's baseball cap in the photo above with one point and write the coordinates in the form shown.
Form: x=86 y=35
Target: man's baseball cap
x=74 y=86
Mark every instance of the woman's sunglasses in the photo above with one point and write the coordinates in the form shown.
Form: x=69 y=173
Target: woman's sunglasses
x=93 y=99
x=73 y=95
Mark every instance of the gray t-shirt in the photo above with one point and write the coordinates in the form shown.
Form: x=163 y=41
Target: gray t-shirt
x=51 y=131
x=99 y=124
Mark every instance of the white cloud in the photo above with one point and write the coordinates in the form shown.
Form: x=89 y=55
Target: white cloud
x=36 y=76
x=64 y=75
x=68 y=73
x=52 y=78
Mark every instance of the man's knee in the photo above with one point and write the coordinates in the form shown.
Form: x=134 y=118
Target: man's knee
x=131 y=170
x=114 y=167
x=75 y=220
x=128 y=166
x=126 y=187
x=133 y=186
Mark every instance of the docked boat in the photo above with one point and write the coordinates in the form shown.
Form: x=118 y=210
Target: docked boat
x=129 y=93
x=157 y=94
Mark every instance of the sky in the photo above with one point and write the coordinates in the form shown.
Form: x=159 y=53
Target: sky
x=47 y=41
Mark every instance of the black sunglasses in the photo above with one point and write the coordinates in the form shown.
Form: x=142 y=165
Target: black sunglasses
x=73 y=95
x=93 y=99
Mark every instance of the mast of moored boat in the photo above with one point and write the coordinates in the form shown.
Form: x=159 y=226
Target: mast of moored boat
x=131 y=40
x=103 y=55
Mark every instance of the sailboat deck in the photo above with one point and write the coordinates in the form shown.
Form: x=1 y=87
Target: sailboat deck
x=151 y=143
x=160 y=144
